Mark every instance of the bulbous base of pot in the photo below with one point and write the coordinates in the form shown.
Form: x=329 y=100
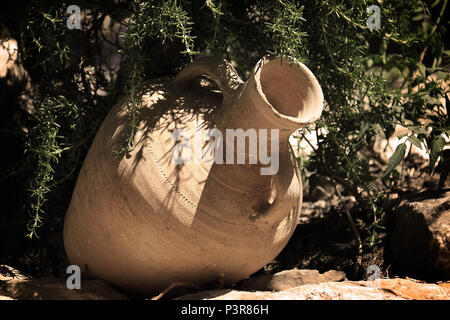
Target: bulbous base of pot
x=143 y=222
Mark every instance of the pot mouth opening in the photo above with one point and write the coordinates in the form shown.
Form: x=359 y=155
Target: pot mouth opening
x=290 y=89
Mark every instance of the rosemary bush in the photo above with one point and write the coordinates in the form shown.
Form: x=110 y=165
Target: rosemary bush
x=373 y=80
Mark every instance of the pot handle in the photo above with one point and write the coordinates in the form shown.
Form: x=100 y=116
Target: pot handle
x=220 y=70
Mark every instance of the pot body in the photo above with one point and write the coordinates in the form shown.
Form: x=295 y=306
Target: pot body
x=144 y=220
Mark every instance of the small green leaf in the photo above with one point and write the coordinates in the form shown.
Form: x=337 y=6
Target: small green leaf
x=418 y=17
x=396 y=158
x=422 y=69
x=415 y=141
x=379 y=131
x=436 y=147
x=435 y=3
x=418 y=130
x=362 y=131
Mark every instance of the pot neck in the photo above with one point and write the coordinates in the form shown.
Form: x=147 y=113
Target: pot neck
x=280 y=95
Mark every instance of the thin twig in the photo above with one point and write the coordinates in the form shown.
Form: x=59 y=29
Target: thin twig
x=322 y=169
x=310 y=144
x=173 y=285
x=355 y=232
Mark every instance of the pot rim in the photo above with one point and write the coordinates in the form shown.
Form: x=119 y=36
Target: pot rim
x=314 y=84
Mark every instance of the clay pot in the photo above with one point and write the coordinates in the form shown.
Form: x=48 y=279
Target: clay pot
x=142 y=221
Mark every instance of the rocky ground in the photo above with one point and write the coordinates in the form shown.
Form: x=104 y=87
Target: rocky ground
x=295 y=284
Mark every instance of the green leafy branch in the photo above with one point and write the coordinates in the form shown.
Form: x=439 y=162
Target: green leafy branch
x=152 y=19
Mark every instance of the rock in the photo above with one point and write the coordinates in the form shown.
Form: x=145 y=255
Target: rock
x=289 y=279
x=15 y=285
x=8 y=55
x=420 y=241
x=381 y=289
x=9 y=273
x=334 y=276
